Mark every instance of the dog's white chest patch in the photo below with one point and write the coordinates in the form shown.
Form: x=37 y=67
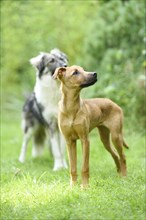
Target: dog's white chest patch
x=50 y=111
x=47 y=94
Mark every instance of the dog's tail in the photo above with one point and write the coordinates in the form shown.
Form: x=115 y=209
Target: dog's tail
x=125 y=145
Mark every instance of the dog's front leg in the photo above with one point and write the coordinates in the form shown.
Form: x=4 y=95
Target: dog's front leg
x=72 y=154
x=26 y=139
x=85 y=163
x=63 y=148
x=56 y=151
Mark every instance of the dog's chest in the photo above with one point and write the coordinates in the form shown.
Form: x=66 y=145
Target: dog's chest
x=47 y=97
x=73 y=127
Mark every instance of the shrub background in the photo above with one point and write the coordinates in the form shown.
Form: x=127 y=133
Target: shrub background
x=106 y=36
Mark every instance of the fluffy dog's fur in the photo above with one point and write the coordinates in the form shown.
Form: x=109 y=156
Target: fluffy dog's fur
x=41 y=108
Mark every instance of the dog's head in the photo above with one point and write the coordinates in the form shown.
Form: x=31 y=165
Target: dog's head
x=75 y=77
x=46 y=63
x=60 y=57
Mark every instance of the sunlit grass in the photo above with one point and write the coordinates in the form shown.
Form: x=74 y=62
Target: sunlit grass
x=33 y=191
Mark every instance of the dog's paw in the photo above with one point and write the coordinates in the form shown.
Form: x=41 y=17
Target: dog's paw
x=84 y=186
x=21 y=159
x=73 y=183
x=65 y=164
x=56 y=168
x=60 y=164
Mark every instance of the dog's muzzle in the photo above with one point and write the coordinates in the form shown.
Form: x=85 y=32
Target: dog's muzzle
x=91 y=80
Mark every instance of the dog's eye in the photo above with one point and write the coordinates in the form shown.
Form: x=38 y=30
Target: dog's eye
x=52 y=60
x=75 y=72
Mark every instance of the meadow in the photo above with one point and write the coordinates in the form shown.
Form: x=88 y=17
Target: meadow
x=32 y=191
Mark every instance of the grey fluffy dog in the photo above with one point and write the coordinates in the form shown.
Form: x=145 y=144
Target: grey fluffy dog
x=39 y=121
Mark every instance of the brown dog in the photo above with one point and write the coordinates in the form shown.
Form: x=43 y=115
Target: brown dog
x=78 y=117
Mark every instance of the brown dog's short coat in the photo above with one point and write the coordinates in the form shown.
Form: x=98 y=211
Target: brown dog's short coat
x=77 y=117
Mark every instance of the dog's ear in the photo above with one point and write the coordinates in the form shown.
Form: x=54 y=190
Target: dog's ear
x=59 y=72
x=37 y=61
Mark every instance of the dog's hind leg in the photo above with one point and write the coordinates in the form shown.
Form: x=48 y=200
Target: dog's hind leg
x=26 y=138
x=117 y=140
x=105 y=138
x=38 y=142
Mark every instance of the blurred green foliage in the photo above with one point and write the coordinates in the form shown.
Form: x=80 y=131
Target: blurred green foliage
x=29 y=27
x=101 y=35
x=114 y=47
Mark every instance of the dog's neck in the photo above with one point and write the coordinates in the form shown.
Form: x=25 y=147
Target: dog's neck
x=46 y=90
x=70 y=100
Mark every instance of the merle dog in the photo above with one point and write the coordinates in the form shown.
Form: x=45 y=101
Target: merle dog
x=40 y=110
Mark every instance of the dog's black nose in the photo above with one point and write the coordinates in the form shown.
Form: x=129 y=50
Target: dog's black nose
x=64 y=65
x=95 y=74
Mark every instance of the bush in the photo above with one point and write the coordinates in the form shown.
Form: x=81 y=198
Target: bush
x=113 y=48
x=29 y=27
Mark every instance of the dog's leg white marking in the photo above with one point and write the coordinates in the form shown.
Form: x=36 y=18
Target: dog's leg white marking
x=56 y=151
x=26 y=138
x=63 y=149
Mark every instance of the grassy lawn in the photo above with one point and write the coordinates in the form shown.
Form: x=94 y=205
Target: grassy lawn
x=33 y=191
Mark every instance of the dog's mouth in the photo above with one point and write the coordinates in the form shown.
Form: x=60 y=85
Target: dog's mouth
x=89 y=83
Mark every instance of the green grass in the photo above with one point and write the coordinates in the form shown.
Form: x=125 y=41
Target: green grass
x=33 y=191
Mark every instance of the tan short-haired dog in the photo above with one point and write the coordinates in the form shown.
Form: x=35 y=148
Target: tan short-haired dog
x=77 y=117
